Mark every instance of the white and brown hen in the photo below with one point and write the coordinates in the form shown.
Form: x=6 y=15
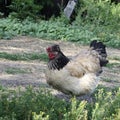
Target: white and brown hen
x=78 y=75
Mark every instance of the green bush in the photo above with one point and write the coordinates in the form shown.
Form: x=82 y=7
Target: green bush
x=98 y=12
x=32 y=104
x=34 y=9
x=23 y=9
x=26 y=104
x=57 y=29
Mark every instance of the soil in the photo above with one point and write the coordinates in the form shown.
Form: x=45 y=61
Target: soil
x=34 y=74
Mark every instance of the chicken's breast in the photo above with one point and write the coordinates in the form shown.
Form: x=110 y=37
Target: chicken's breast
x=63 y=81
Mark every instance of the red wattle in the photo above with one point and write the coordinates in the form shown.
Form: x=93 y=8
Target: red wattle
x=51 y=55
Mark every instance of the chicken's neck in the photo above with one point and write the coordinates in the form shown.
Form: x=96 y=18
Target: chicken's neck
x=58 y=62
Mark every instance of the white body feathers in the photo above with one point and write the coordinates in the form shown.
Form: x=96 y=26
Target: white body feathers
x=79 y=76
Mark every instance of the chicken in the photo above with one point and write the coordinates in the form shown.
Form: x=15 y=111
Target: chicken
x=78 y=75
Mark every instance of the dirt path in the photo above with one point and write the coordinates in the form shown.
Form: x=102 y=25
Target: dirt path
x=34 y=74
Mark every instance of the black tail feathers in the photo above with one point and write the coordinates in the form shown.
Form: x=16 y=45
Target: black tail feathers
x=101 y=49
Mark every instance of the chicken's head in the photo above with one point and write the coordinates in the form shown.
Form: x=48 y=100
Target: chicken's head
x=53 y=51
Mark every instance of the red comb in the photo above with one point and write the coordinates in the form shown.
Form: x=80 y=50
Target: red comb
x=49 y=49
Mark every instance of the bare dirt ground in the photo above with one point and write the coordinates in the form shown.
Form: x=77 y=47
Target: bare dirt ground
x=35 y=69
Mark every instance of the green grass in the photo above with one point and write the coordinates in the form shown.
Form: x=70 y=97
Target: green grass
x=115 y=58
x=110 y=80
x=16 y=71
x=24 y=56
x=107 y=79
x=39 y=104
x=112 y=65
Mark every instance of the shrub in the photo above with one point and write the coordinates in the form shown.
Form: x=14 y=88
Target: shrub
x=22 y=9
x=56 y=29
x=39 y=104
x=98 y=12
x=35 y=9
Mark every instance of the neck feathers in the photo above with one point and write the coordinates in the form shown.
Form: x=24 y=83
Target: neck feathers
x=59 y=62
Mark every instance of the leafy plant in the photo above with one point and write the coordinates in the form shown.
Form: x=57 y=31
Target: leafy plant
x=98 y=12
x=40 y=116
x=56 y=29
x=22 y=9
x=37 y=104
x=77 y=111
